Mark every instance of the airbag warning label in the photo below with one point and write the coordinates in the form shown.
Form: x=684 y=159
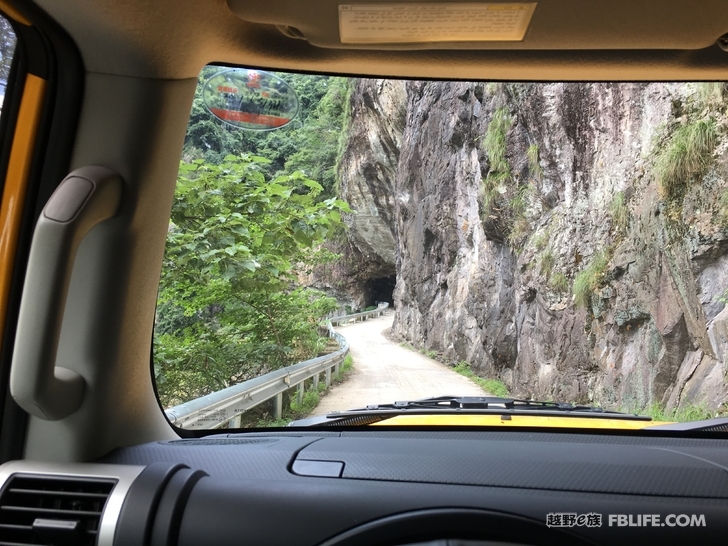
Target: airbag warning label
x=435 y=22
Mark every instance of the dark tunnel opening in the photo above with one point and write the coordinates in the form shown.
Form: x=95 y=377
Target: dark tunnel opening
x=380 y=290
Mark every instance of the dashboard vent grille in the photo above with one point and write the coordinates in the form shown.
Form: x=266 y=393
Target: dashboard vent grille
x=50 y=510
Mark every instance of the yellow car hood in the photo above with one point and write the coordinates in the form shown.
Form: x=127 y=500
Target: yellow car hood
x=475 y=420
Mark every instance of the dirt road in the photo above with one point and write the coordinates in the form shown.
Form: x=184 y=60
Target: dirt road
x=385 y=372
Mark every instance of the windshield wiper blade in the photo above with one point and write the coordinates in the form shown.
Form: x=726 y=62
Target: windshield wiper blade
x=481 y=403
x=488 y=405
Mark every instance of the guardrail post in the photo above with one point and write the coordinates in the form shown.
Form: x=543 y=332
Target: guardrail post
x=299 y=394
x=236 y=421
x=279 y=406
x=328 y=377
x=336 y=368
x=315 y=382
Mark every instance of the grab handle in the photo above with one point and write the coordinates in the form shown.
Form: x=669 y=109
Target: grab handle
x=85 y=198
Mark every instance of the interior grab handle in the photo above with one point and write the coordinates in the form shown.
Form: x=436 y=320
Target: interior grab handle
x=84 y=198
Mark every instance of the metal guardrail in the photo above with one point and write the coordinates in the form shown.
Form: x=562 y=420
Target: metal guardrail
x=379 y=311
x=227 y=406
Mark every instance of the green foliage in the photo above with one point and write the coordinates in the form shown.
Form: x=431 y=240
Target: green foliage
x=311 y=143
x=231 y=227
x=686 y=156
x=321 y=139
x=492 y=386
x=520 y=200
x=533 y=161
x=559 y=282
x=508 y=213
x=494 y=145
x=683 y=414
x=228 y=306
x=620 y=213
x=588 y=280
x=311 y=398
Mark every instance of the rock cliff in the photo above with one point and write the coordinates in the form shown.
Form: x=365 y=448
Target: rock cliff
x=569 y=239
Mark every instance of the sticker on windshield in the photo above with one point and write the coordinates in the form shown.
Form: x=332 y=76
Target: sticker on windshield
x=250 y=99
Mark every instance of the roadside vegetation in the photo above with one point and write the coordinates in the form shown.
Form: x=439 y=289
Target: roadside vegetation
x=683 y=414
x=250 y=214
x=311 y=398
x=491 y=386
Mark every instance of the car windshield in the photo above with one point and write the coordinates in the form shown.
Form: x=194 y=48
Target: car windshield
x=341 y=243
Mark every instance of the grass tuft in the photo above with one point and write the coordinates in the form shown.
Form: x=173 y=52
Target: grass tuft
x=547 y=263
x=690 y=412
x=588 y=280
x=686 y=156
x=559 y=282
x=709 y=93
x=619 y=211
x=492 y=386
x=494 y=145
x=533 y=161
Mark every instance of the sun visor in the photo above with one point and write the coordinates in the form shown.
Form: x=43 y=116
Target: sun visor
x=540 y=25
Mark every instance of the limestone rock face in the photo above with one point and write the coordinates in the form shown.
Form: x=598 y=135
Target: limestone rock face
x=496 y=204
x=367 y=175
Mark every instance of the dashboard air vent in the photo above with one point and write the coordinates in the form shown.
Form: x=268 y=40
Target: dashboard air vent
x=52 y=510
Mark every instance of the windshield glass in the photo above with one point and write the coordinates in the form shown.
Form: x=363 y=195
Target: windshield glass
x=337 y=243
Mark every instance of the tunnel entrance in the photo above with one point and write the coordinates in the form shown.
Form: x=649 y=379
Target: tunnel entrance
x=382 y=289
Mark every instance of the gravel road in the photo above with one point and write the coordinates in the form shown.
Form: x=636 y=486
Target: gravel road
x=385 y=372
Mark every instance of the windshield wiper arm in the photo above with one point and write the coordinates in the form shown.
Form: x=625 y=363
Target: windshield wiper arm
x=480 y=403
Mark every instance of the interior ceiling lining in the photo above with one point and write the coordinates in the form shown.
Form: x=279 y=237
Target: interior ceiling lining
x=173 y=40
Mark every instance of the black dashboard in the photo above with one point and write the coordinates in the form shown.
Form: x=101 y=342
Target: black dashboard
x=398 y=487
